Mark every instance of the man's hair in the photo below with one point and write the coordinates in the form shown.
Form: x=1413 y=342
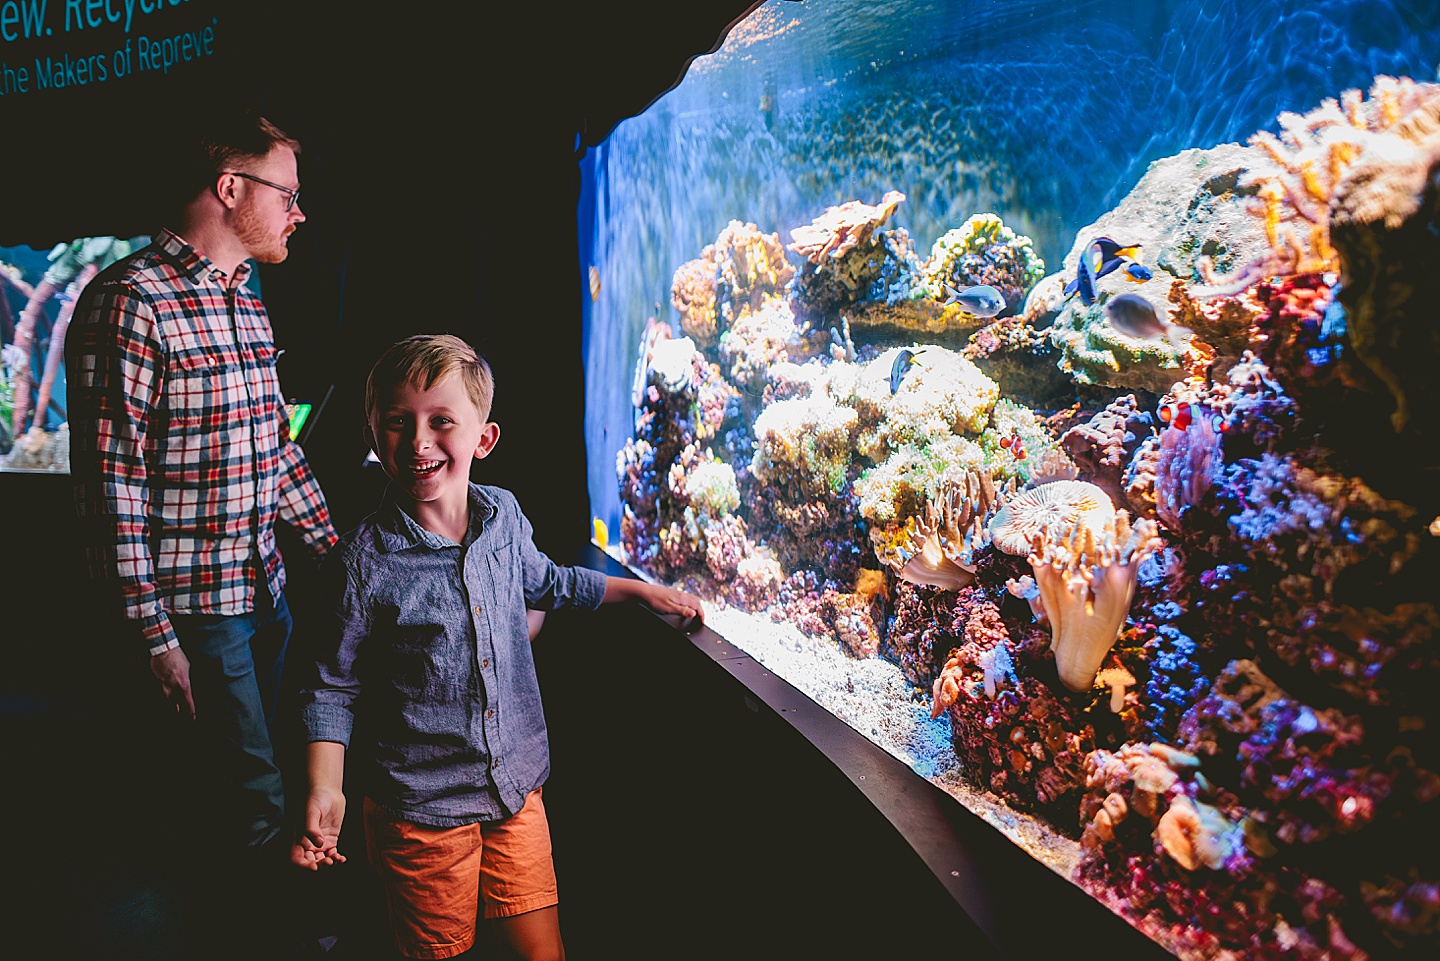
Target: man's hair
x=424 y=360
x=235 y=139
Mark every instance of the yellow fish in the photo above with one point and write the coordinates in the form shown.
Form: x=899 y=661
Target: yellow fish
x=594 y=284
x=602 y=533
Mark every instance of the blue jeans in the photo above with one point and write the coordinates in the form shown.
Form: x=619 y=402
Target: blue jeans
x=236 y=661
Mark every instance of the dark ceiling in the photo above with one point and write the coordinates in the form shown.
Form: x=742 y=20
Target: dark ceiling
x=403 y=101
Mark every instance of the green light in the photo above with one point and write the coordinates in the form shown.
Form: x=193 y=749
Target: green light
x=298 y=413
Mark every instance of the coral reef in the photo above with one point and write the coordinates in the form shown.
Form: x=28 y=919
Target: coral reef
x=843 y=257
x=1103 y=446
x=1011 y=731
x=1188 y=865
x=1178 y=601
x=728 y=280
x=983 y=251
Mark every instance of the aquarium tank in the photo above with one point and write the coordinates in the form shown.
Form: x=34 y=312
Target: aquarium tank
x=1046 y=390
x=38 y=291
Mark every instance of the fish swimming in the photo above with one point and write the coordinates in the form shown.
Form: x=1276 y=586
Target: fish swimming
x=594 y=284
x=1138 y=273
x=903 y=360
x=1177 y=415
x=1102 y=257
x=1084 y=282
x=981 y=300
x=1111 y=254
x=602 y=534
x=1134 y=316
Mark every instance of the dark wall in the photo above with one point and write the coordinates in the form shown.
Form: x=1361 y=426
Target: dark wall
x=440 y=180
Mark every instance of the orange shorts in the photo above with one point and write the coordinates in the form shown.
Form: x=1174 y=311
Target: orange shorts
x=434 y=878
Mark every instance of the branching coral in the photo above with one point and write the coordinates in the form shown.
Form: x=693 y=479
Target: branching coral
x=1103 y=446
x=1009 y=729
x=1311 y=157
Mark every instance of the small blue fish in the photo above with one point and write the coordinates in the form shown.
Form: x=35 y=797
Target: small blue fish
x=903 y=360
x=981 y=300
x=1138 y=273
x=1103 y=256
x=1084 y=282
x=1110 y=254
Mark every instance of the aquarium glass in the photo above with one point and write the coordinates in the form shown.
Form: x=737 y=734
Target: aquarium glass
x=1047 y=390
x=38 y=290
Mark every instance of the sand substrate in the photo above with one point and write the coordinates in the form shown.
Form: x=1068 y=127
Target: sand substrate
x=874 y=698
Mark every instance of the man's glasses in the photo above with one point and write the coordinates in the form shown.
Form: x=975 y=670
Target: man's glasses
x=294 y=194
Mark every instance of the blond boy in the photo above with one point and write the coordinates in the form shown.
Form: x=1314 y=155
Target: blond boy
x=430 y=597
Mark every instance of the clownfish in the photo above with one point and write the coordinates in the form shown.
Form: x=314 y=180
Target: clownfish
x=1176 y=414
x=1011 y=442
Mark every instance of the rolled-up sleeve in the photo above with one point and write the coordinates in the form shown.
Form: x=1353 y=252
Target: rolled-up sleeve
x=548 y=585
x=329 y=686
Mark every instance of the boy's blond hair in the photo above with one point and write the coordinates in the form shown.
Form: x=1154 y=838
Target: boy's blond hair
x=424 y=360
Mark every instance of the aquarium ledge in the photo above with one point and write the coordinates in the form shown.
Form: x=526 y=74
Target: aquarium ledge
x=994 y=882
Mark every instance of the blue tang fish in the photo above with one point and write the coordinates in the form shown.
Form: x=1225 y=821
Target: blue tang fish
x=1138 y=273
x=903 y=360
x=981 y=300
x=1103 y=256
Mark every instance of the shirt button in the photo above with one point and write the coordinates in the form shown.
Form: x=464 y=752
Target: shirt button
x=477 y=608
x=490 y=713
x=485 y=663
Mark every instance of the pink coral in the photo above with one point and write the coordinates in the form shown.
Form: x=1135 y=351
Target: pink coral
x=1189 y=464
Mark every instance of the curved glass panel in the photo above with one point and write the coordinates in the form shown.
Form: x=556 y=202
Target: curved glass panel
x=1044 y=389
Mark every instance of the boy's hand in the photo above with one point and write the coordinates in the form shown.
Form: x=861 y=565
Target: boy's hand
x=317 y=844
x=667 y=600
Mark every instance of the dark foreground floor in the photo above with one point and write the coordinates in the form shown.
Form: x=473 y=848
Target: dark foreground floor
x=686 y=825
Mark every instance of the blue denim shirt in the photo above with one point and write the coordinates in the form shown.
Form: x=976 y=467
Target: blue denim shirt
x=424 y=672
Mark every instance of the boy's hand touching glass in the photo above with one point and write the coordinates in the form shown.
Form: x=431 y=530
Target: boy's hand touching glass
x=662 y=599
x=317 y=844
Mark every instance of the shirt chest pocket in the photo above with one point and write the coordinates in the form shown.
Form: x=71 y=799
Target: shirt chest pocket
x=504 y=578
x=424 y=662
x=205 y=390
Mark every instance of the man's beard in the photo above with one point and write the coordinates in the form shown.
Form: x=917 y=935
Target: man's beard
x=251 y=231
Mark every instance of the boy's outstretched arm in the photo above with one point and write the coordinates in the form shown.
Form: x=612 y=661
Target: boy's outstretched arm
x=318 y=843
x=665 y=600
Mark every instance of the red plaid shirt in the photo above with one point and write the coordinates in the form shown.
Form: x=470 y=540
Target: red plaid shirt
x=180 y=447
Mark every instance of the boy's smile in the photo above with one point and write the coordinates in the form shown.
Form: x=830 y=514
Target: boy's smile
x=426 y=440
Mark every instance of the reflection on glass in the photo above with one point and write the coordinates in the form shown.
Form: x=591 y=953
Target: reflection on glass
x=1044 y=389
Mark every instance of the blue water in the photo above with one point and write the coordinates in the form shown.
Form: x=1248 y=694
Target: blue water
x=1045 y=113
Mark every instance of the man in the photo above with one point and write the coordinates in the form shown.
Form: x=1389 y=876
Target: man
x=182 y=461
